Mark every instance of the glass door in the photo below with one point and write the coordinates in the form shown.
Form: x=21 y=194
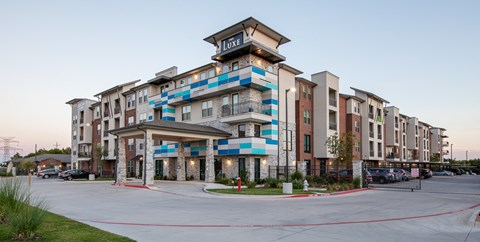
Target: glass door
x=257 y=169
x=202 y=169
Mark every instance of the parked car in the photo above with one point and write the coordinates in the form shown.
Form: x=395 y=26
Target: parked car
x=403 y=175
x=347 y=175
x=442 y=173
x=408 y=175
x=456 y=171
x=381 y=175
x=367 y=177
x=63 y=174
x=426 y=173
x=76 y=174
x=471 y=172
x=397 y=176
x=47 y=173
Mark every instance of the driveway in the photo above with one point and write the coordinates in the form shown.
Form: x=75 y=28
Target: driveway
x=181 y=211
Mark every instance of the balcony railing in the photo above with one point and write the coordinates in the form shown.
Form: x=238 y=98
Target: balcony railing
x=74 y=137
x=244 y=107
x=379 y=154
x=371 y=134
x=84 y=154
x=116 y=110
x=393 y=155
x=372 y=153
x=332 y=102
x=81 y=137
x=106 y=114
x=370 y=115
x=379 y=136
x=105 y=133
x=332 y=126
x=81 y=120
x=74 y=121
x=396 y=125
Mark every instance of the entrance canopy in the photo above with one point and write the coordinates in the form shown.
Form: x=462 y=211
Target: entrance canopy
x=171 y=131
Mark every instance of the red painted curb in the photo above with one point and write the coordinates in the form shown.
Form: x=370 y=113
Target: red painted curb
x=329 y=194
x=132 y=186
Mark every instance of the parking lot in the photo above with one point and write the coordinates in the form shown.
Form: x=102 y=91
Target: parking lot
x=181 y=211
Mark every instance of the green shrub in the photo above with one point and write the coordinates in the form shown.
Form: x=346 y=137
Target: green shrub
x=297 y=176
x=270 y=182
x=251 y=184
x=7 y=174
x=225 y=181
x=261 y=181
x=309 y=179
x=330 y=181
x=244 y=176
x=20 y=210
x=356 y=182
x=319 y=180
x=297 y=184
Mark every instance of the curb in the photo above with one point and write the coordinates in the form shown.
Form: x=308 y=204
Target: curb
x=132 y=186
x=474 y=219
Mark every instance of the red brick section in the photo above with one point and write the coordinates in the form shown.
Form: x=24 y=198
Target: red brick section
x=130 y=154
x=342 y=109
x=302 y=104
x=49 y=163
x=347 y=124
x=130 y=113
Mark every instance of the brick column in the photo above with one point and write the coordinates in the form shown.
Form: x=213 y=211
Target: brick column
x=357 y=170
x=148 y=161
x=209 y=162
x=180 y=162
x=251 y=168
x=121 y=176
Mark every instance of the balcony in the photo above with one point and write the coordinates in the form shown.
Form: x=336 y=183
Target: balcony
x=379 y=136
x=243 y=78
x=105 y=134
x=379 y=154
x=332 y=125
x=332 y=102
x=393 y=155
x=249 y=111
x=396 y=125
x=116 y=110
x=445 y=144
x=372 y=153
x=106 y=114
x=81 y=120
x=370 y=115
x=81 y=137
x=371 y=134
x=84 y=154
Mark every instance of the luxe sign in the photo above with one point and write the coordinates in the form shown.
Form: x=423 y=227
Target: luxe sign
x=232 y=42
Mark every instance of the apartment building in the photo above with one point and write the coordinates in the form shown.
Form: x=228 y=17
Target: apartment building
x=424 y=137
x=392 y=134
x=81 y=135
x=304 y=124
x=351 y=122
x=372 y=112
x=438 y=143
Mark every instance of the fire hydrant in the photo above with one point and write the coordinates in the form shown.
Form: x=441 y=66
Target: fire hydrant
x=305 y=185
x=239 y=184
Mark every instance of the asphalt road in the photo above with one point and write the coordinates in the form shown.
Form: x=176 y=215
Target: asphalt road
x=181 y=211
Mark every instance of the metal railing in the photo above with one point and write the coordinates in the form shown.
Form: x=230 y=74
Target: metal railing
x=379 y=154
x=332 y=102
x=106 y=113
x=372 y=153
x=105 y=133
x=332 y=126
x=84 y=154
x=116 y=110
x=81 y=120
x=393 y=155
x=244 y=107
x=81 y=137
x=370 y=115
x=371 y=134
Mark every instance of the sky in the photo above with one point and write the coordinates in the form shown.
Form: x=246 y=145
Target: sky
x=421 y=56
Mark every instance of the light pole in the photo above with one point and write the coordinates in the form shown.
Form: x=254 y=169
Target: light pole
x=466 y=159
x=451 y=153
x=286 y=125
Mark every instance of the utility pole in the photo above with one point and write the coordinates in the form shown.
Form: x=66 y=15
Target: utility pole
x=451 y=153
x=56 y=145
x=6 y=147
x=466 y=159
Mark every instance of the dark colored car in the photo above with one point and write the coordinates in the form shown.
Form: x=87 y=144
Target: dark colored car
x=456 y=171
x=347 y=175
x=63 y=174
x=47 y=173
x=426 y=173
x=381 y=175
x=75 y=174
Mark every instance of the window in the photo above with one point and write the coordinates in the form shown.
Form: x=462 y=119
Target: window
x=131 y=145
x=235 y=66
x=371 y=149
x=370 y=111
x=371 y=132
x=97 y=111
x=270 y=69
x=304 y=91
x=306 y=143
x=306 y=117
x=241 y=166
x=285 y=140
x=182 y=82
x=145 y=94
x=140 y=146
x=309 y=93
x=128 y=101
x=379 y=115
x=189 y=80
x=356 y=107
x=380 y=148
x=140 y=97
x=130 y=167
x=241 y=130
x=207 y=108
x=133 y=100
x=357 y=146
x=131 y=120
x=99 y=129
x=379 y=131
x=211 y=73
x=186 y=113
x=235 y=103
x=357 y=126
x=203 y=76
x=143 y=118
x=225 y=69
x=256 y=130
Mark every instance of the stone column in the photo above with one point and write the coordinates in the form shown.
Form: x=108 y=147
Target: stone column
x=209 y=162
x=121 y=176
x=357 y=170
x=180 y=162
x=251 y=168
x=148 y=161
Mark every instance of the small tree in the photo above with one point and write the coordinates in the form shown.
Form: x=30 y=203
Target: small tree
x=341 y=147
x=29 y=166
x=100 y=154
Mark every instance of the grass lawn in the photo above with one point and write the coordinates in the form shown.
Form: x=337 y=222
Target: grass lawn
x=259 y=191
x=59 y=228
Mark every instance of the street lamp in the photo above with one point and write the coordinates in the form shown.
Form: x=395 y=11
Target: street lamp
x=451 y=152
x=466 y=159
x=286 y=125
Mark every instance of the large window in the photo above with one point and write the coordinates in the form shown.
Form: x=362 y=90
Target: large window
x=304 y=91
x=309 y=93
x=285 y=139
x=143 y=118
x=131 y=145
x=131 y=120
x=203 y=75
x=357 y=126
x=207 y=108
x=140 y=97
x=189 y=80
x=145 y=94
x=211 y=73
x=235 y=66
x=306 y=117
x=128 y=101
x=186 y=111
x=225 y=69
x=256 y=130
x=306 y=143
x=241 y=166
x=241 y=130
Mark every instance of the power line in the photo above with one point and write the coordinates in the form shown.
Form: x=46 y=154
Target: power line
x=6 y=148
